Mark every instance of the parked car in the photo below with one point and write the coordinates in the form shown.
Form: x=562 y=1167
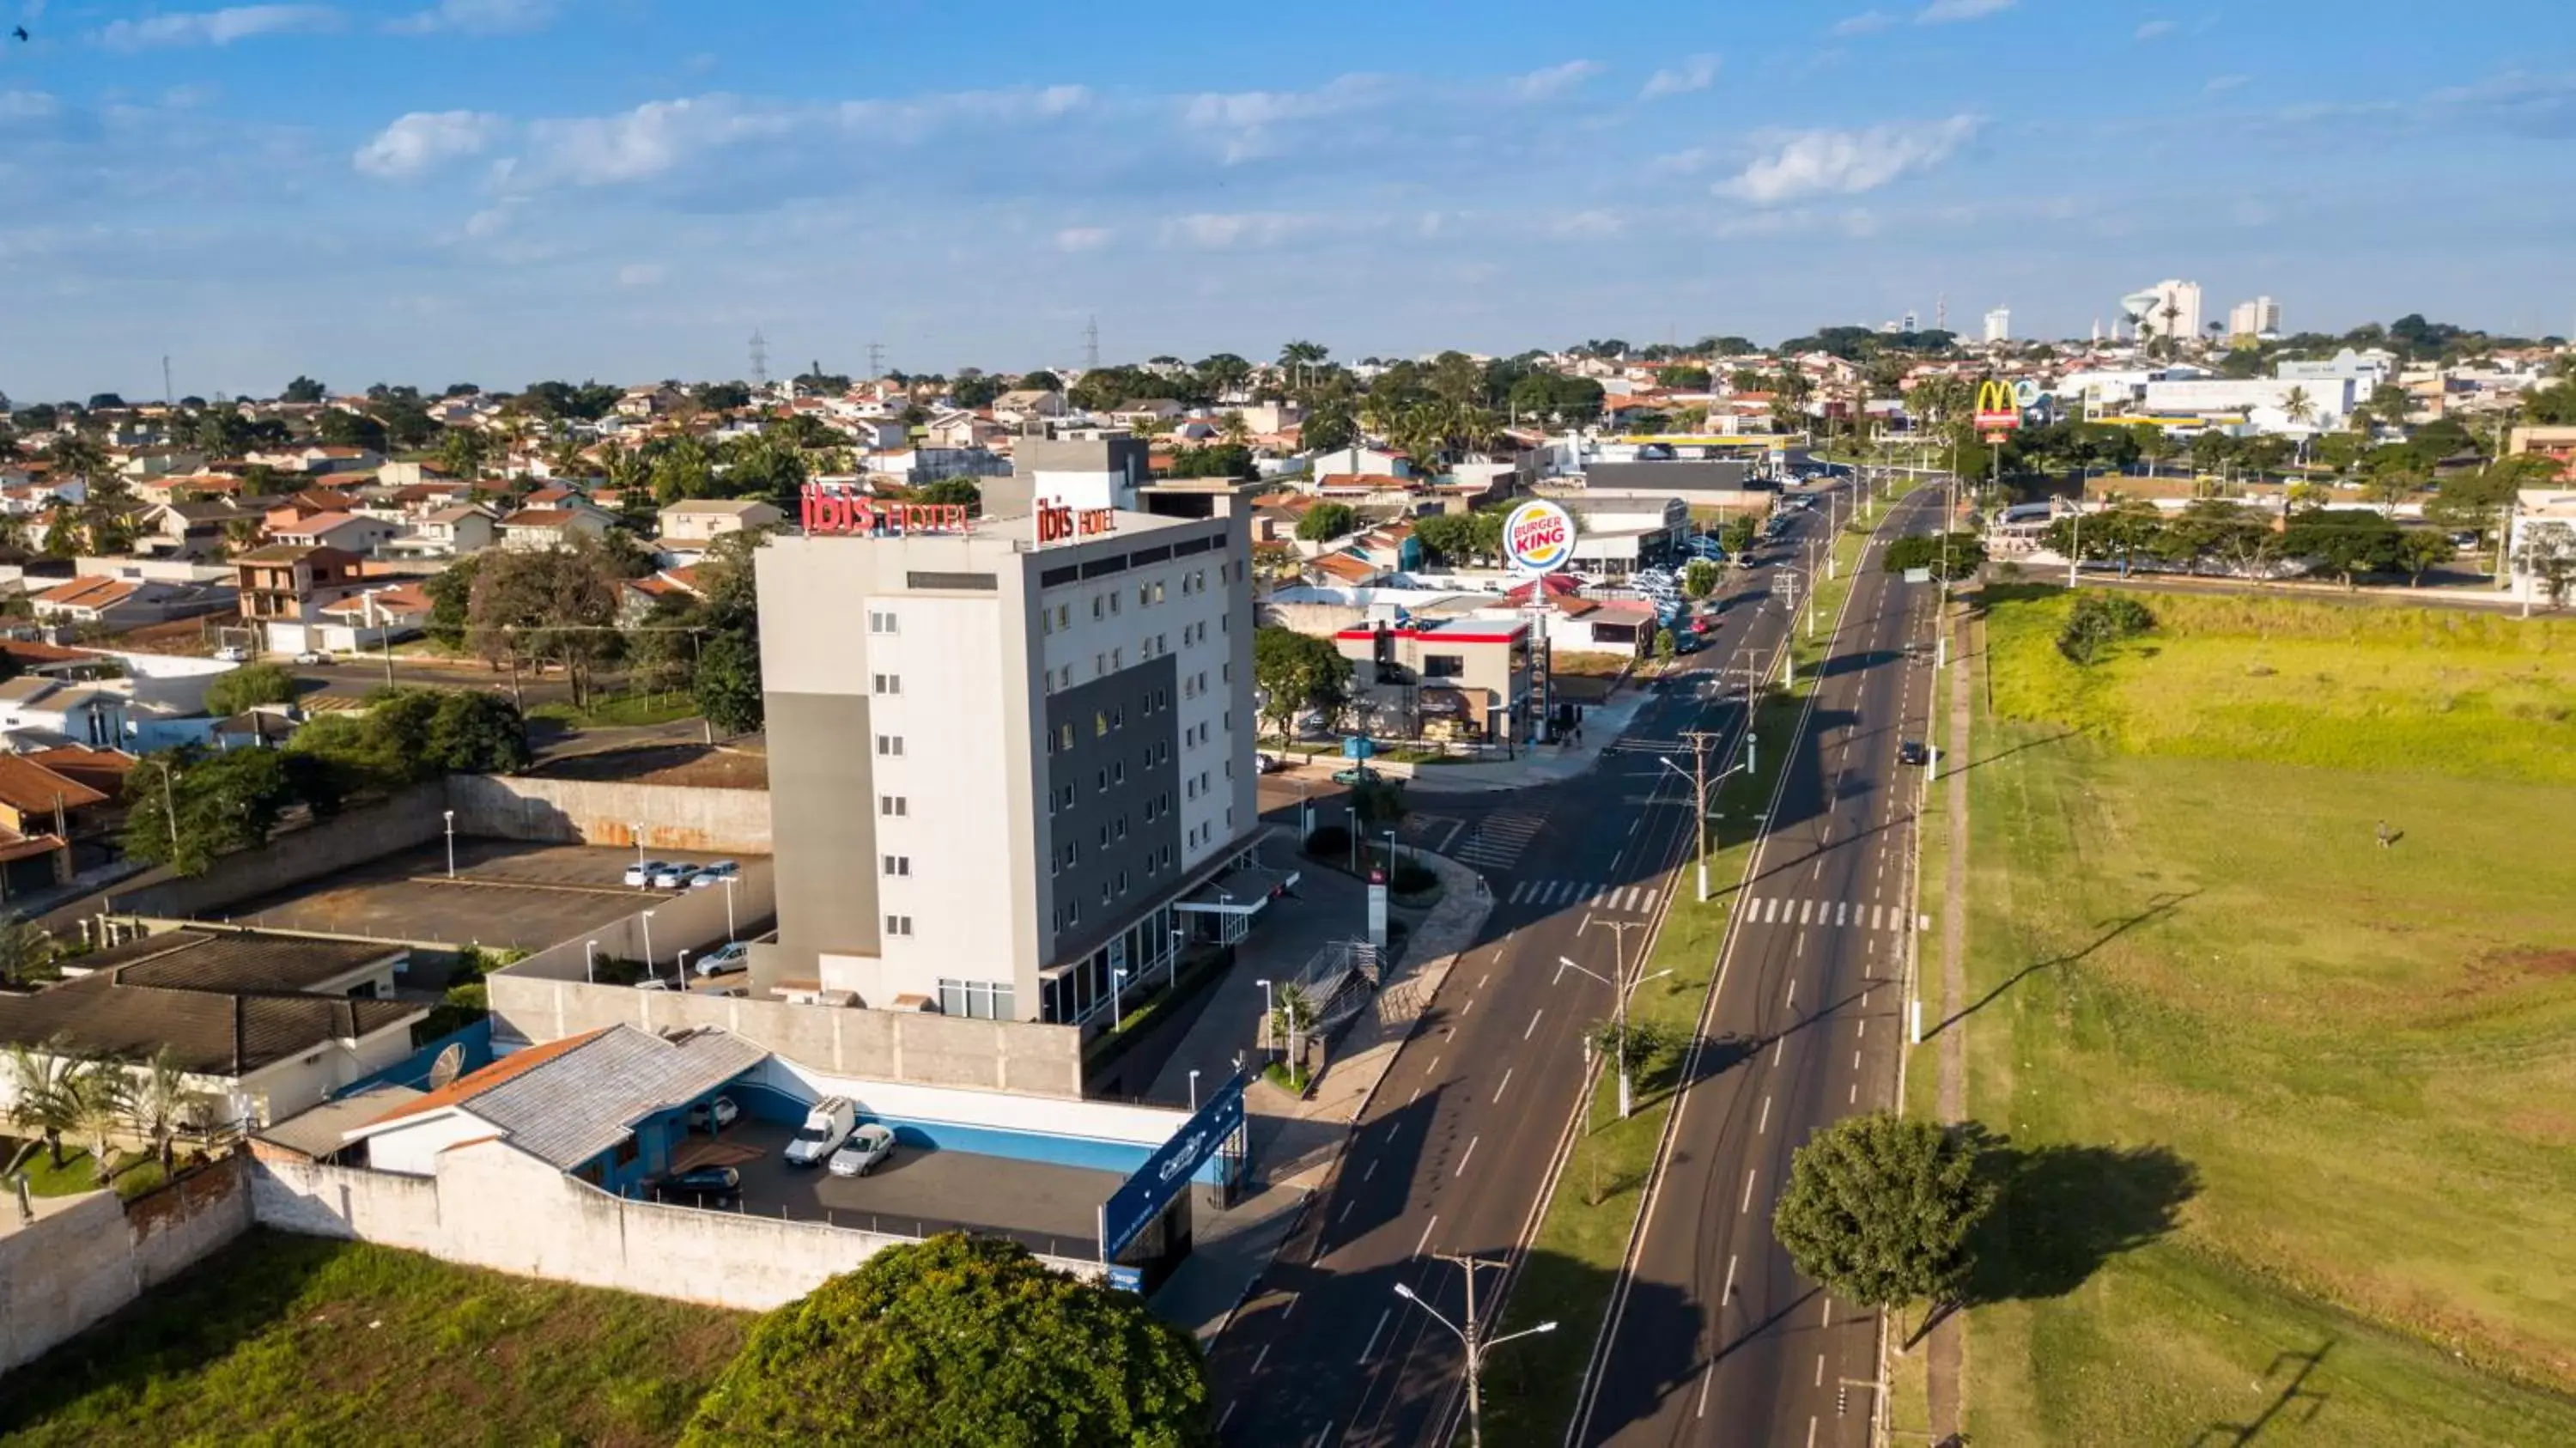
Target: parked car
x=721 y=1185
x=643 y=871
x=672 y=877
x=710 y=876
x=866 y=1147
x=1271 y=763
x=735 y=956
x=1912 y=752
x=828 y=1123
x=233 y=654
x=713 y=1116
x=312 y=657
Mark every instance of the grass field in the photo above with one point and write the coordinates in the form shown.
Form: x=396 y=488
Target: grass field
x=2315 y=1098
x=297 y=1340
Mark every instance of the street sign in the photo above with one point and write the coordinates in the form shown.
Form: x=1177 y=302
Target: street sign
x=1918 y=575
x=1142 y=1197
x=1377 y=909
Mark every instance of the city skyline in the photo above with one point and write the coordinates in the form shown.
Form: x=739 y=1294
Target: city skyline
x=503 y=190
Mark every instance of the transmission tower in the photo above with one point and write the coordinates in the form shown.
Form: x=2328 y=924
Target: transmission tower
x=1091 y=345
x=876 y=360
x=759 y=359
x=166 y=399
x=1941 y=312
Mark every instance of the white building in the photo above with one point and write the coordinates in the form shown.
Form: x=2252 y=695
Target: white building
x=1999 y=325
x=2167 y=309
x=2260 y=317
x=2259 y=399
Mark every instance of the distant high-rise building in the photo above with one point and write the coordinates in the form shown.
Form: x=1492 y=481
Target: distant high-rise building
x=1999 y=325
x=2167 y=309
x=2260 y=317
x=1909 y=322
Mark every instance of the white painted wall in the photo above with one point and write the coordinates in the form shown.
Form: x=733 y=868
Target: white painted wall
x=951 y=713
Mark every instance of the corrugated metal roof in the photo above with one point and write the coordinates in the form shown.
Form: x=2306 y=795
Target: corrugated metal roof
x=585 y=1101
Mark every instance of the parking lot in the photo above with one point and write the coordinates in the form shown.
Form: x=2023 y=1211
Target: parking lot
x=504 y=893
x=1049 y=1209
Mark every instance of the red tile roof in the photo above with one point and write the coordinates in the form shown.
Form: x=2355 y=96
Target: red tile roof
x=466 y=1088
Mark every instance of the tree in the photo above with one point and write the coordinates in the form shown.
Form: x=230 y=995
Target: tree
x=2423 y=549
x=40 y=1090
x=1295 y=672
x=1739 y=535
x=727 y=686
x=1637 y=1047
x=220 y=802
x=1879 y=1208
x=1039 y=381
x=1333 y=423
x=1699 y=578
x=26 y=951
x=2547 y=556
x=233 y=692
x=474 y=732
x=959 y=1341
x=1963 y=555
x=2346 y=542
x=161 y=1103
x=2153 y=444
x=554 y=605
x=100 y=1092
x=2099 y=620
x=451 y=593
x=302 y=390
x=1326 y=521
x=1665 y=646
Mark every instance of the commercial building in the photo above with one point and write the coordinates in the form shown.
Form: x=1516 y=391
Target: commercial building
x=1003 y=751
x=1460 y=680
x=1999 y=325
x=2551 y=442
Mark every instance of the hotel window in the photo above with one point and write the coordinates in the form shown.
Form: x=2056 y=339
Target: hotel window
x=1113 y=601
x=890 y=745
x=881 y=621
x=893 y=805
x=898 y=925
x=1096 y=606
x=1122 y=882
x=980 y=1000
x=1104 y=836
x=1118 y=772
x=898 y=865
x=1063 y=615
x=1104 y=892
x=1099 y=665
x=889 y=683
x=1099 y=722
x=1122 y=827
x=1158 y=591
x=1102 y=782
x=1117 y=659
x=1068 y=796
x=1046 y=621
x=1144 y=595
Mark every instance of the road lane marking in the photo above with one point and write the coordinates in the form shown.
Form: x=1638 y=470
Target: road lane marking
x=1747 y=1204
x=1374 y=1333
x=1435 y=1064
x=1829 y=1312
x=1469 y=1005
x=1285 y=1312
x=1766 y=1117
x=1799 y=947
x=1480 y=980
x=1855 y=1060
x=1820 y=1368
x=1416 y=1096
x=1811 y=1433
x=1426 y=1234
x=1842 y=911
x=1864 y=1028
x=1853 y=1098
x=1728 y=1295
x=1793 y=993
x=1806 y=909
x=1533 y=1025
x=1465 y=1156
x=1706 y=1376
x=1346 y=1212
x=1227 y=1416
x=1507 y=1081
x=1258 y=1358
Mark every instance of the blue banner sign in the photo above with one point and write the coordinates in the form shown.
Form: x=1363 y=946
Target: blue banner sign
x=1142 y=1197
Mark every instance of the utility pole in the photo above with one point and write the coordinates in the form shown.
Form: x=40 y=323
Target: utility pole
x=1472 y=1338
x=1701 y=742
x=876 y=360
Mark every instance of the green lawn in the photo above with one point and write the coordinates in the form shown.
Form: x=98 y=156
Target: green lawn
x=621 y=709
x=137 y=1172
x=2305 y=1094
x=302 y=1340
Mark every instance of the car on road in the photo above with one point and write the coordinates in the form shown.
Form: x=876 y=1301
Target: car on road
x=1272 y=763
x=719 y=1185
x=312 y=658
x=233 y=654
x=866 y=1147
x=1912 y=752
x=714 y=1115
x=643 y=871
x=736 y=956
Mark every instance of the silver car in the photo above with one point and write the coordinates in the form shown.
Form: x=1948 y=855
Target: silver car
x=870 y=1144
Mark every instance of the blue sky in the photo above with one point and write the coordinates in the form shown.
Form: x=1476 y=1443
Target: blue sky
x=503 y=190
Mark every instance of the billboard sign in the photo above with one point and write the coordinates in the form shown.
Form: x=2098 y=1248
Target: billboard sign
x=1997 y=410
x=1538 y=537
x=828 y=510
x=1166 y=1174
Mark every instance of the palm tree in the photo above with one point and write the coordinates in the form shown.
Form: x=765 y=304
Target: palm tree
x=40 y=1097
x=162 y=1104
x=77 y=455
x=24 y=949
x=99 y=1091
x=2173 y=323
x=462 y=453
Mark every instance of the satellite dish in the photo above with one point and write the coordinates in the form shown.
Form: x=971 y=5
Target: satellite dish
x=449 y=1062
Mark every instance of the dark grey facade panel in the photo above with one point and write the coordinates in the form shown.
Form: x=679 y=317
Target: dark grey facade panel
x=1139 y=758
x=962 y=582
x=823 y=823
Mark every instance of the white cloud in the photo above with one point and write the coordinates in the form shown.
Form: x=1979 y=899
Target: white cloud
x=1944 y=12
x=1589 y=226
x=1846 y=163
x=426 y=139
x=2155 y=30
x=218 y=27
x=643 y=142
x=2219 y=84
x=1864 y=22
x=1247 y=122
x=1228 y=231
x=641 y=273
x=1555 y=79
x=18 y=105
x=1697 y=73
x=476 y=17
x=1083 y=238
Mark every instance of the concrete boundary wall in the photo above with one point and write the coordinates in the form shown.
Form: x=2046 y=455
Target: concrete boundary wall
x=606 y=812
x=78 y=1264
x=370 y=832
x=690 y=920
x=492 y=1205
x=935 y=1050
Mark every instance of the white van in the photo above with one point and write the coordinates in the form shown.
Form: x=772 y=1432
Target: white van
x=827 y=1125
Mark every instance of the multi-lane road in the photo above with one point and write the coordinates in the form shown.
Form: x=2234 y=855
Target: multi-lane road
x=1455 y=1153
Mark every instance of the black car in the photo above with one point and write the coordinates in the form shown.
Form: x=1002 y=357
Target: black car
x=1911 y=752
x=716 y=1185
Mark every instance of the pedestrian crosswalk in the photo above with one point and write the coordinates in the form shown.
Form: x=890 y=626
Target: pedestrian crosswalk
x=1496 y=841
x=1826 y=914
x=1609 y=899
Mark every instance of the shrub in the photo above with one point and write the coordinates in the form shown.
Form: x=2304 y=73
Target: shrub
x=1329 y=842
x=1412 y=879
x=2099 y=620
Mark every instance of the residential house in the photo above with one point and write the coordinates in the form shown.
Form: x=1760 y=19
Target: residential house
x=1391 y=546
x=1360 y=458
x=963 y=429
x=452 y=532
x=119 y=603
x=640 y=597
x=41 y=813
x=263 y=1026
x=1344 y=568
x=1024 y=404
x=314 y=458
x=697 y=522
x=285 y=584
x=38 y=712
x=194 y=529
x=347 y=532
x=609 y=1107
x=370 y=620
x=540 y=528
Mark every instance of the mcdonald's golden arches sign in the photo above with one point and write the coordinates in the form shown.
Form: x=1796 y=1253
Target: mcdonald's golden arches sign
x=1997 y=410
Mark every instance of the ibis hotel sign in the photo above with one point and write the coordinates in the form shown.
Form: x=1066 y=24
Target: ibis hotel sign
x=829 y=511
x=1060 y=524
x=1538 y=537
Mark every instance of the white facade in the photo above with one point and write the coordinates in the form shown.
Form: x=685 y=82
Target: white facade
x=2330 y=402
x=2260 y=317
x=2148 y=309
x=1999 y=325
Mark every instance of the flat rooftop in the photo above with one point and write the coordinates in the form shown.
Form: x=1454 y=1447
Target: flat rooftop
x=504 y=893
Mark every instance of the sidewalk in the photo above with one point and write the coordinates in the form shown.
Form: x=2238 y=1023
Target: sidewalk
x=1295 y=1143
x=1541 y=763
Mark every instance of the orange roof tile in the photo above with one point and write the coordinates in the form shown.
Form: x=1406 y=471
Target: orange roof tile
x=466 y=1088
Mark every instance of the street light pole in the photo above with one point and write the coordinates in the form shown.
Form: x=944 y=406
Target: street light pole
x=728 y=889
x=1471 y=1338
x=451 y=843
x=680 y=972
x=647 y=918
x=590 y=962
x=638 y=828
x=1269 y=1012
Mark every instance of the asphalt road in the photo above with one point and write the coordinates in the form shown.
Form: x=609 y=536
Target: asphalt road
x=1455 y=1151
x=352 y=676
x=1715 y=1339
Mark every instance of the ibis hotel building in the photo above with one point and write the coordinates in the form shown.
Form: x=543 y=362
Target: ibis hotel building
x=1002 y=750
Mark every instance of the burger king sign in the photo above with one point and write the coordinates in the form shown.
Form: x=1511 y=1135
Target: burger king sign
x=1538 y=537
